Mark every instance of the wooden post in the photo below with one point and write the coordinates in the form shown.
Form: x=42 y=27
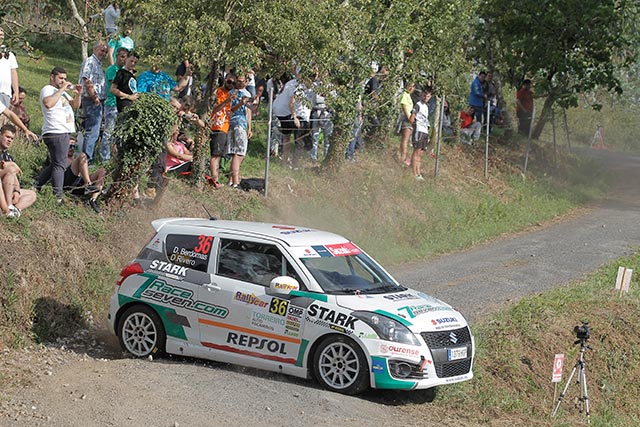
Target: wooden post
x=486 y=144
x=526 y=157
x=553 y=127
x=266 y=167
x=439 y=138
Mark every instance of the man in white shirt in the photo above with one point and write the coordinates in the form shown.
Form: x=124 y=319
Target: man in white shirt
x=8 y=74
x=57 y=110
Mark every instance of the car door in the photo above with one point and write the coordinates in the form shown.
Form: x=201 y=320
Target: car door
x=256 y=323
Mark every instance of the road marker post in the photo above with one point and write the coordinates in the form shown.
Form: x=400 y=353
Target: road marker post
x=623 y=280
x=556 y=376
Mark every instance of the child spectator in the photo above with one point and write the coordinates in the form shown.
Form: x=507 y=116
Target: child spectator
x=124 y=85
x=179 y=158
x=240 y=127
x=470 y=130
x=420 y=138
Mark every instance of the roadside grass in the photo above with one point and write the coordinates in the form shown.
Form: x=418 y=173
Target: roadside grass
x=516 y=348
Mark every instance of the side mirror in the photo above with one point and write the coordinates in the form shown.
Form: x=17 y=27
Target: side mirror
x=282 y=285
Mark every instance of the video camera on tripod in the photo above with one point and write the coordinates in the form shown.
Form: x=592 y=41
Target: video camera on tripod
x=583 y=333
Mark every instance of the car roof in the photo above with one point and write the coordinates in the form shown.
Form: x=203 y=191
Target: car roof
x=289 y=234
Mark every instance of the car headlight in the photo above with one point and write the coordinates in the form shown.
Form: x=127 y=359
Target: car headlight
x=387 y=328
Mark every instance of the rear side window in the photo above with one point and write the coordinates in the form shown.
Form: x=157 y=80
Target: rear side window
x=252 y=262
x=187 y=250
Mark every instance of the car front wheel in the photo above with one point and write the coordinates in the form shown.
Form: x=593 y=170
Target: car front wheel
x=141 y=332
x=340 y=365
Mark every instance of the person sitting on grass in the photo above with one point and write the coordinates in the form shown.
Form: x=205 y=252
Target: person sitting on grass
x=78 y=180
x=469 y=130
x=19 y=107
x=16 y=120
x=13 y=199
x=179 y=158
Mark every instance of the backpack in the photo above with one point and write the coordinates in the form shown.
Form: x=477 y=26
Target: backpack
x=256 y=184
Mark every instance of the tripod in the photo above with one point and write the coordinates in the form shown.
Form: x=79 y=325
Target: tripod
x=581 y=381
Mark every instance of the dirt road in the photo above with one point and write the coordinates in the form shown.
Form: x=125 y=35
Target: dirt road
x=85 y=381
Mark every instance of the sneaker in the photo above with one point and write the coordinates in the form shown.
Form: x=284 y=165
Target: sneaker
x=91 y=189
x=419 y=178
x=150 y=192
x=59 y=201
x=93 y=204
x=13 y=212
x=407 y=163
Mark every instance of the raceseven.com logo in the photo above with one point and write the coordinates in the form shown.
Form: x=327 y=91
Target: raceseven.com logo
x=173 y=295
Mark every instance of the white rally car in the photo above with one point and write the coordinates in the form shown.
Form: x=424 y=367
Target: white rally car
x=286 y=299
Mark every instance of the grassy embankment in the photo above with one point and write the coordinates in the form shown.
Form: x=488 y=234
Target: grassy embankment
x=58 y=264
x=516 y=349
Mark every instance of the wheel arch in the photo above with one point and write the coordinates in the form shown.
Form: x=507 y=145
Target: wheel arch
x=125 y=307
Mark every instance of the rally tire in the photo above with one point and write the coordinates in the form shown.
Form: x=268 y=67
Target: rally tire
x=339 y=364
x=141 y=332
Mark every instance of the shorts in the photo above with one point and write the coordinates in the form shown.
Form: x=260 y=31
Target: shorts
x=73 y=183
x=287 y=125
x=420 y=140
x=238 y=142
x=405 y=123
x=218 y=143
x=181 y=168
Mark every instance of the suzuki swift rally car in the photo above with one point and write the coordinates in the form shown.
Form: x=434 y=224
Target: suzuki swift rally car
x=286 y=299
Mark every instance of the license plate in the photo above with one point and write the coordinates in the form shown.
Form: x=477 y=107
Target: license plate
x=457 y=353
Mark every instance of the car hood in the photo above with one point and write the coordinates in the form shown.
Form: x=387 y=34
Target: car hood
x=416 y=310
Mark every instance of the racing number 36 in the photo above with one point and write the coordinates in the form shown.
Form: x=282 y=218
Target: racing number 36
x=278 y=306
x=204 y=244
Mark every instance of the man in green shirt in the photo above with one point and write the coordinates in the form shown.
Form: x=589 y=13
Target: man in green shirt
x=110 y=109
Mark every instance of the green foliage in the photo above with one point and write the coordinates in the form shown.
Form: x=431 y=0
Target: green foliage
x=141 y=133
x=340 y=41
x=565 y=57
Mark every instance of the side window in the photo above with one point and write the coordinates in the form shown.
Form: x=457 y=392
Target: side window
x=252 y=262
x=190 y=251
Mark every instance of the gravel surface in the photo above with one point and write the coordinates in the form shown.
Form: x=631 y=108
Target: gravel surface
x=85 y=380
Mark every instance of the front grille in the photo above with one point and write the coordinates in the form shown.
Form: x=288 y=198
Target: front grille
x=439 y=342
x=453 y=369
x=443 y=339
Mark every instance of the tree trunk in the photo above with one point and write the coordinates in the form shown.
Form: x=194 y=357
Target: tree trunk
x=544 y=116
x=122 y=188
x=200 y=157
x=340 y=139
x=83 y=26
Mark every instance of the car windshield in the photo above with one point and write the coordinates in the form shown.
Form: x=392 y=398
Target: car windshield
x=350 y=274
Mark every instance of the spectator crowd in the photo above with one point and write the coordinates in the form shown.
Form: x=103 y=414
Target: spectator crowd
x=301 y=120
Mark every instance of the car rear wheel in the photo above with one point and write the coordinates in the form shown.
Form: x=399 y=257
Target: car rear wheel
x=141 y=332
x=340 y=365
